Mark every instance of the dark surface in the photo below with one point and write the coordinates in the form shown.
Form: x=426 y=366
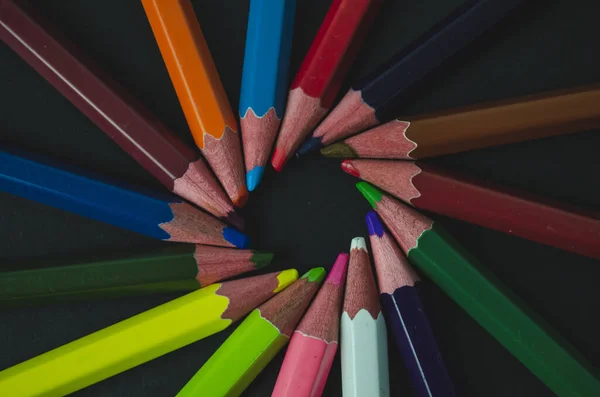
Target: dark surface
x=310 y=212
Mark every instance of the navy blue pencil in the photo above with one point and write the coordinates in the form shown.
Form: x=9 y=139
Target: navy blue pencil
x=160 y=216
x=376 y=97
x=404 y=314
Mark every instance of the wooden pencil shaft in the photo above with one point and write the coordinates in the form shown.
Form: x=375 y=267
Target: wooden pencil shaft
x=503 y=315
x=384 y=86
x=548 y=114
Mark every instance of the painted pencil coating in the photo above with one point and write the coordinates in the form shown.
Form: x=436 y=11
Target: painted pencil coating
x=255 y=342
x=200 y=91
x=321 y=74
x=376 y=97
x=404 y=312
x=475 y=127
x=120 y=117
x=363 y=331
x=159 y=216
x=483 y=203
x=141 y=338
x=178 y=268
x=264 y=80
x=313 y=345
x=485 y=298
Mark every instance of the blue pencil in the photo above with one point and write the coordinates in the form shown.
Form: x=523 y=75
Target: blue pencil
x=264 y=80
x=160 y=216
x=404 y=314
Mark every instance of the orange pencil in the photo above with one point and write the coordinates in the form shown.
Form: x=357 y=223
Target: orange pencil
x=200 y=91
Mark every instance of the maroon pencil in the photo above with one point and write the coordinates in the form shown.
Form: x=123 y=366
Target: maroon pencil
x=500 y=208
x=123 y=119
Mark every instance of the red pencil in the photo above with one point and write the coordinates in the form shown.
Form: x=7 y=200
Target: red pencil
x=507 y=210
x=150 y=143
x=322 y=72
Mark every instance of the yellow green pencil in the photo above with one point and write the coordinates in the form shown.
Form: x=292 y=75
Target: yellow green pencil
x=141 y=338
x=255 y=342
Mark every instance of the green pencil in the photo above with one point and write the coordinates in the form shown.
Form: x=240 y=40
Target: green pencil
x=180 y=268
x=473 y=287
x=255 y=342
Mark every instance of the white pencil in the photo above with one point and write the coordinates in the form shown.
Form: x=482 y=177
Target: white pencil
x=363 y=335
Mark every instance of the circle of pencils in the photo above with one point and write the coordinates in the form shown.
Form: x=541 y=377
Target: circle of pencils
x=353 y=304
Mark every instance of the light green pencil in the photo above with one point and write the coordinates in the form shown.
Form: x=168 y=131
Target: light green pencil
x=255 y=342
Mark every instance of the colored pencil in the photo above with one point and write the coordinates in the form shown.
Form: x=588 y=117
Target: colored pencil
x=492 y=124
x=120 y=117
x=322 y=72
x=399 y=286
x=160 y=216
x=182 y=268
x=483 y=203
x=377 y=97
x=363 y=334
x=313 y=346
x=200 y=91
x=485 y=298
x=255 y=342
x=141 y=338
x=264 y=80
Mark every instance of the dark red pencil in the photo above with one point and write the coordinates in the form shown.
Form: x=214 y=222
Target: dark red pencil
x=322 y=71
x=507 y=210
x=150 y=143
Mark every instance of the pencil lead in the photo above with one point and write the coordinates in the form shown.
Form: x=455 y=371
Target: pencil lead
x=315 y=274
x=349 y=168
x=285 y=279
x=339 y=149
x=374 y=224
x=237 y=238
x=253 y=177
x=278 y=160
x=358 y=243
x=338 y=271
x=309 y=145
x=371 y=193
x=261 y=258
x=242 y=198
x=234 y=219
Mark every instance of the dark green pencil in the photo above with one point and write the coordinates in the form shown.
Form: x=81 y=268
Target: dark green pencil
x=180 y=268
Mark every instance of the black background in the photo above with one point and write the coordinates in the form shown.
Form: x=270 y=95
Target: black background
x=310 y=212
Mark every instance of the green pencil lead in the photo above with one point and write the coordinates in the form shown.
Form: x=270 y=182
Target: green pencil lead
x=371 y=193
x=338 y=150
x=316 y=274
x=261 y=258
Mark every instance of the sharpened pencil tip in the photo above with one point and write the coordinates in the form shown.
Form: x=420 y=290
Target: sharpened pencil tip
x=278 y=160
x=310 y=145
x=358 y=243
x=286 y=278
x=374 y=224
x=349 y=168
x=253 y=177
x=338 y=271
x=242 y=198
x=371 y=193
x=339 y=150
x=234 y=219
x=316 y=274
x=237 y=238
x=261 y=258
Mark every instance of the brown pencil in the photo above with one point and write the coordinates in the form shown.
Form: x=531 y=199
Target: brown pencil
x=485 y=125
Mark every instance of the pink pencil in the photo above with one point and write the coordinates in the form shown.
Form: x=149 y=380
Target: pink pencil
x=313 y=346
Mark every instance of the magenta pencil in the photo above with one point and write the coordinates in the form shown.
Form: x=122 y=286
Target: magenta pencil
x=314 y=344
